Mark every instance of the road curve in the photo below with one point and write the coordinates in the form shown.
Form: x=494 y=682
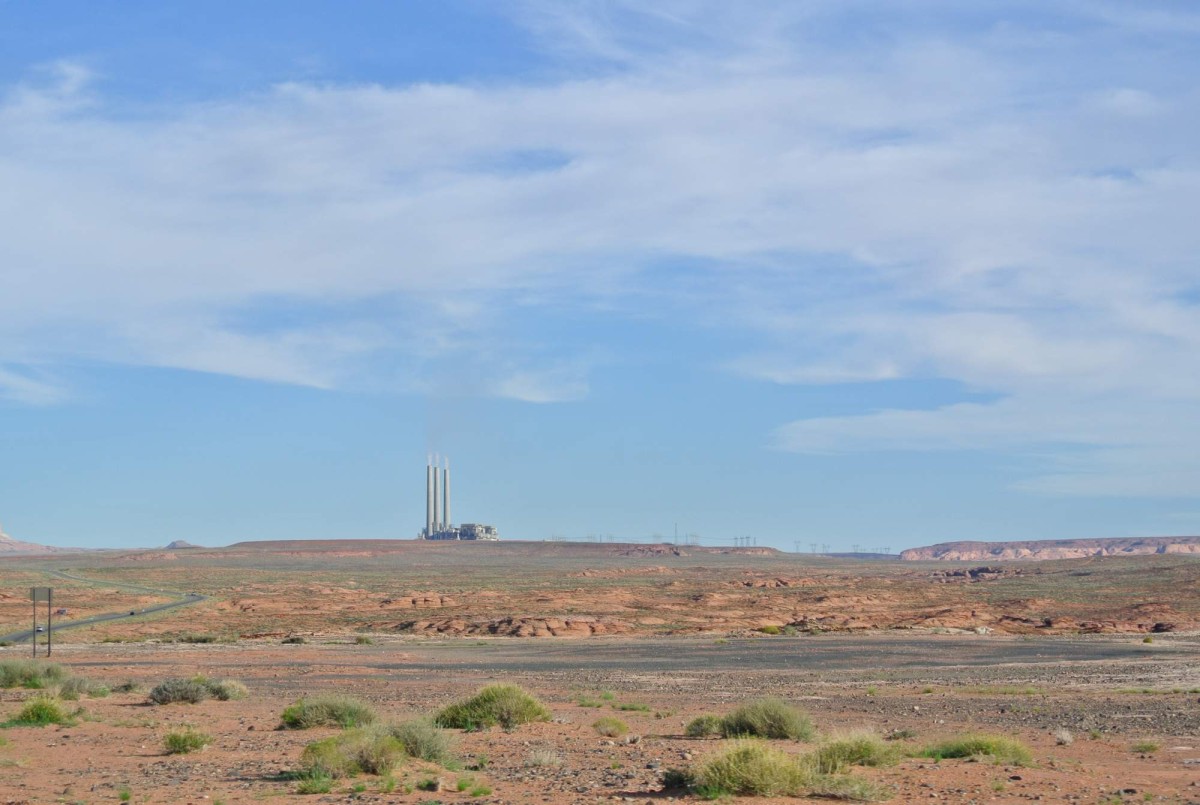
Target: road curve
x=182 y=600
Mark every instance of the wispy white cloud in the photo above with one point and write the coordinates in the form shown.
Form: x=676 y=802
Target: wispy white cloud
x=937 y=195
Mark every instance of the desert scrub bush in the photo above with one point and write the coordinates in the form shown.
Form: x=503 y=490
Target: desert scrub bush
x=30 y=674
x=749 y=767
x=768 y=718
x=226 y=690
x=360 y=750
x=859 y=748
x=294 y=640
x=1145 y=747
x=703 y=726
x=632 y=707
x=328 y=710
x=423 y=739
x=72 y=688
x=173 y=691
x=41 y=711
x=505 y=705
x=610 y=726
x=181 y=742
x=999 y=748
x=772 y=630
x=363 y=640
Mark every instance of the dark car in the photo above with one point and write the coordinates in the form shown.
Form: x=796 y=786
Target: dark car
x=132 y=612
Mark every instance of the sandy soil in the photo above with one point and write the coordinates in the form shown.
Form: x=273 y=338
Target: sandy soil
x=933 y=686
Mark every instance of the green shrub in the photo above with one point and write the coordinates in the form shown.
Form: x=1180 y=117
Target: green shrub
x=294 y=640
x=610 y=726
x=181 y=742
x=770 y=629
x=41 y=711
x=768 y=718
x=173 y=691
x=369 y=750
x=30 y=674
x=748 y=767
x=503 y=705
x=198 y=638
x=861 y=748
x=997 y=747
x=632 y=707
x=703 y=726
x=1145 y=747
x=328 y=710
x=424 y=740
x=363 y=640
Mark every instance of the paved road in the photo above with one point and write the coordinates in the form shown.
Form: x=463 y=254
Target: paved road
x=181 y=600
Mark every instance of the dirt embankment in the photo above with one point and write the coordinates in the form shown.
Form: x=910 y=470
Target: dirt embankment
x=1051 y=549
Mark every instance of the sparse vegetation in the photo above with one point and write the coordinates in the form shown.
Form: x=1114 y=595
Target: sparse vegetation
x=30 y=674
x=1063 y=737
x=72 y=688
x=1145 y=747
x=424 y=740
x=748 y=767
x=196 y=690
x=543 y=758
x=363 y=640
x=226 y=690
x=632 y=707
x=360 y=750
x=610 y=726
x=181 y=742
x=703 y=726
x=999 y=748
x=504 y=705
x=848 y=787
x=314 y=783
x=859 y=748
x=328 y=710
x=293 y=640
x=770 y=629
x=40 y=711
x=768 y=718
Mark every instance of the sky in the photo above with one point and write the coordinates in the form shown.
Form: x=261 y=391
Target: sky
x=839 y=273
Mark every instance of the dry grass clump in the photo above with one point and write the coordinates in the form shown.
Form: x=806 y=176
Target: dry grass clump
x=181 y=742
x=748 y=767
x=361 y=750
x=610 y=726
x=768 y=718
x=857 y=748
x=505 y=705
x=30 y=674
x=703 y=726
x=753 y=767
x=424 y=740
x=74 y=687
x=998 y=748
x=328 y=710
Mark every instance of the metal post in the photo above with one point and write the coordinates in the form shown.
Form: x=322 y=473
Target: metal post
x=34 y=638
x=49 y=621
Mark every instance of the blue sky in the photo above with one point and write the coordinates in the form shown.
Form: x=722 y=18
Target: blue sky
x=851 y=273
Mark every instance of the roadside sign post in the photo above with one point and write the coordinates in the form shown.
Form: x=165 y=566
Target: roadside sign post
x=37 y=595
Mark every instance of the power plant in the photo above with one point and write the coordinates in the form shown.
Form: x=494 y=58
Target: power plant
x=437 y=507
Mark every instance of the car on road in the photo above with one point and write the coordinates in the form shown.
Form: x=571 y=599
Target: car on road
x=40 y=629
x=132 y=612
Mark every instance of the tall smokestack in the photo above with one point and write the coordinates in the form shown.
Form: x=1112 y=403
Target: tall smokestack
x=428 y=496
x=437 y=526
x=446 y=492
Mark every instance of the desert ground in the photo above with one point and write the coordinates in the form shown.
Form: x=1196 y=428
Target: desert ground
x=1093 y=663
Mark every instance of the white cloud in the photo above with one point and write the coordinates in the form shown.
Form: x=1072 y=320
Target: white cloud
x=957 y=201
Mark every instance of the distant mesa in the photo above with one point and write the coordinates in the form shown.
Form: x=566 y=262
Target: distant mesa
x=180 y=544
x=1051 y=549
x=10 y=545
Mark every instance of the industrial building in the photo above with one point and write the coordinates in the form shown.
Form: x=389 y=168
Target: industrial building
x=437 y=508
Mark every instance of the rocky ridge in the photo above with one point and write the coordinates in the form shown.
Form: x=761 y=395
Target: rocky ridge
x=1051 y=549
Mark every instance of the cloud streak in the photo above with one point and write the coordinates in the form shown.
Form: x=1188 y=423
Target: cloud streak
x=957 y=197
